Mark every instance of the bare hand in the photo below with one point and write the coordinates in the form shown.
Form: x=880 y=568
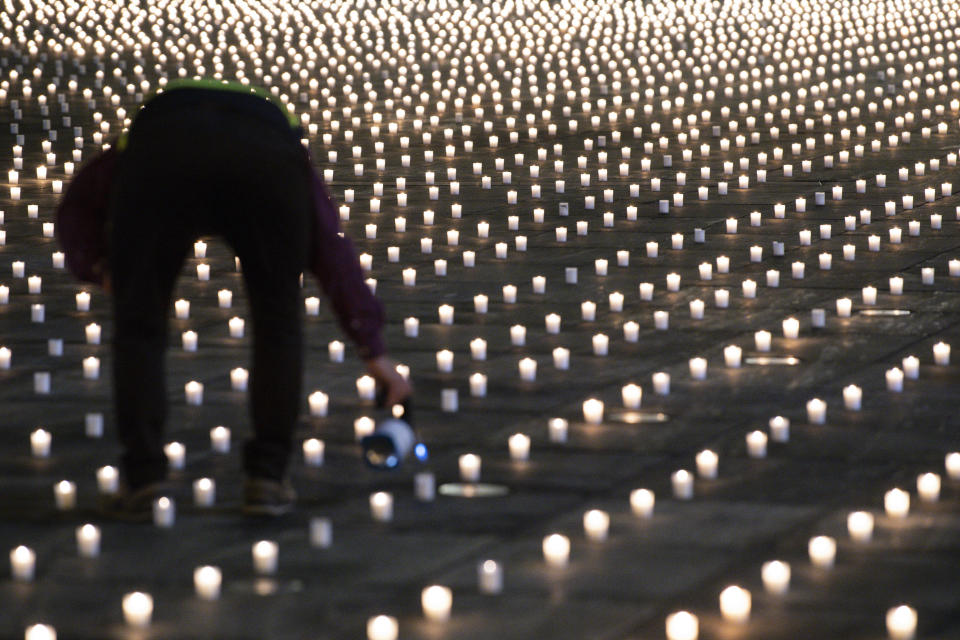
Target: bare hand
x=384 y=371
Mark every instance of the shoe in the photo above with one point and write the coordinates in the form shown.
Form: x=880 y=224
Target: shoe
x=133 y=505
x=266 y=497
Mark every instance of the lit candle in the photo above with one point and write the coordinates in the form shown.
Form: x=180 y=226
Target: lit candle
x=204 y=492
x=363 y=427
x=593 y=411
x=528 y=369
x=776 y=577
x=860 y=526
x=844 y=307
x=762 y=340
x=696 y=309
x=382 y=628
x=92 y=332
x=188 y=339
x=182 y=309
x=896 y=503
x=682 y=625
x=757 y=444
x=83 y=301
x=816 y=411
x=556 y=550
x=319 y=404
x=108 y=480
x=40 y=632
x=366 y=388
x=631 y=395
x=65 y=495
x=176 y=454
x=207 y=581
x=40 y=440
x=194 y=392
x=941 y=353
x=137 y=609
x=445 y=361
x=661 y=320
x=469 y=464
x=901 y=622
x=928 y=487
x=164 y=512
x=436 y=601
x=791 y=328
x=411 y=327
x=642 y=502
x=335 y=350
x=852 y=397
x=239 y=378
x=735 y=604
x=558 y=429
x=236 y=326
x=707 y=464
x=23 y=562
x=478 y=385
x=732 y=356
x=596 y=525
x=661 y=383
x=698 y=368
x=682 y=484
x=519 y=445
x=894 y=378
x=822 y=551
x=265 y=554
x=445 y=314
x=490 y=577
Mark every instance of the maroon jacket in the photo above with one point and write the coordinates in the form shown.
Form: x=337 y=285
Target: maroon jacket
x=81 y=229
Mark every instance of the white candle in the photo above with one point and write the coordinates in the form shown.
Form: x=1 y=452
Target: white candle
x=445 y=361
x=509 y=294
x=860 y=526
x=41 y=382
x=519 y=445
x=816 y=411
x=852 y=397
x=779 y=429
x=732 y=356
x=941 y=353
x=382 y=628
x=83 y=301
x=869 y=295
x=164 y=512
x=194 y=392
x=436 y=602
x=34 y=284
x=749 y=288
x=490 y=577
x=642 y=502
x=366 y=388
x=321 y=532
x=896 y=503
x=176 y=454
x=756 y=444
x=894 y=378
x=40 y=632
x=469 y=464
x=137 y=609
x=558 y=429
x=207 y=581
x=791 y=328
x=696 y=309
x=92 y=332
x=203 y=271
x=236 y=326
x=928 y=487
x=445 y=314
x=698 y=368
x=661 y=383
x=449 y=400
x=631 y=331
x=673 y=282
x=319 y=404
x=265 y=554
x=23 y=562
x=225 y=300
x=601 y=344
x=539 y=284
x=478 y=385
x=40 y=440
x=108 y=480
x=411 y=327
x=593 y=411
x=707 y=464
x=776 y=577
x=844 y=307
x=661 y=320
x=182 y=309
x=65 y=495
x=596 y=525
x=632 y=395
x=682 y=625
x=239 y=378
x=896 y=286
x=528 y=369
x=363 y=427
x=335 y=350
x=556 y=550
x=204 y=492
x=762 y=340
x=735 y=604
x=682 y=483
x=188 y=340
x=822 y=551
x=901 y=622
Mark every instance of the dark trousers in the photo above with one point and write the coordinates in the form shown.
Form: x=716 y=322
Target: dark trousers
x=200 y=168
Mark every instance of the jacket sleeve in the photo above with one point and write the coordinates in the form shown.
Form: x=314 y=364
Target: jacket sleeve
x=335 y=265
x=81 y=218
